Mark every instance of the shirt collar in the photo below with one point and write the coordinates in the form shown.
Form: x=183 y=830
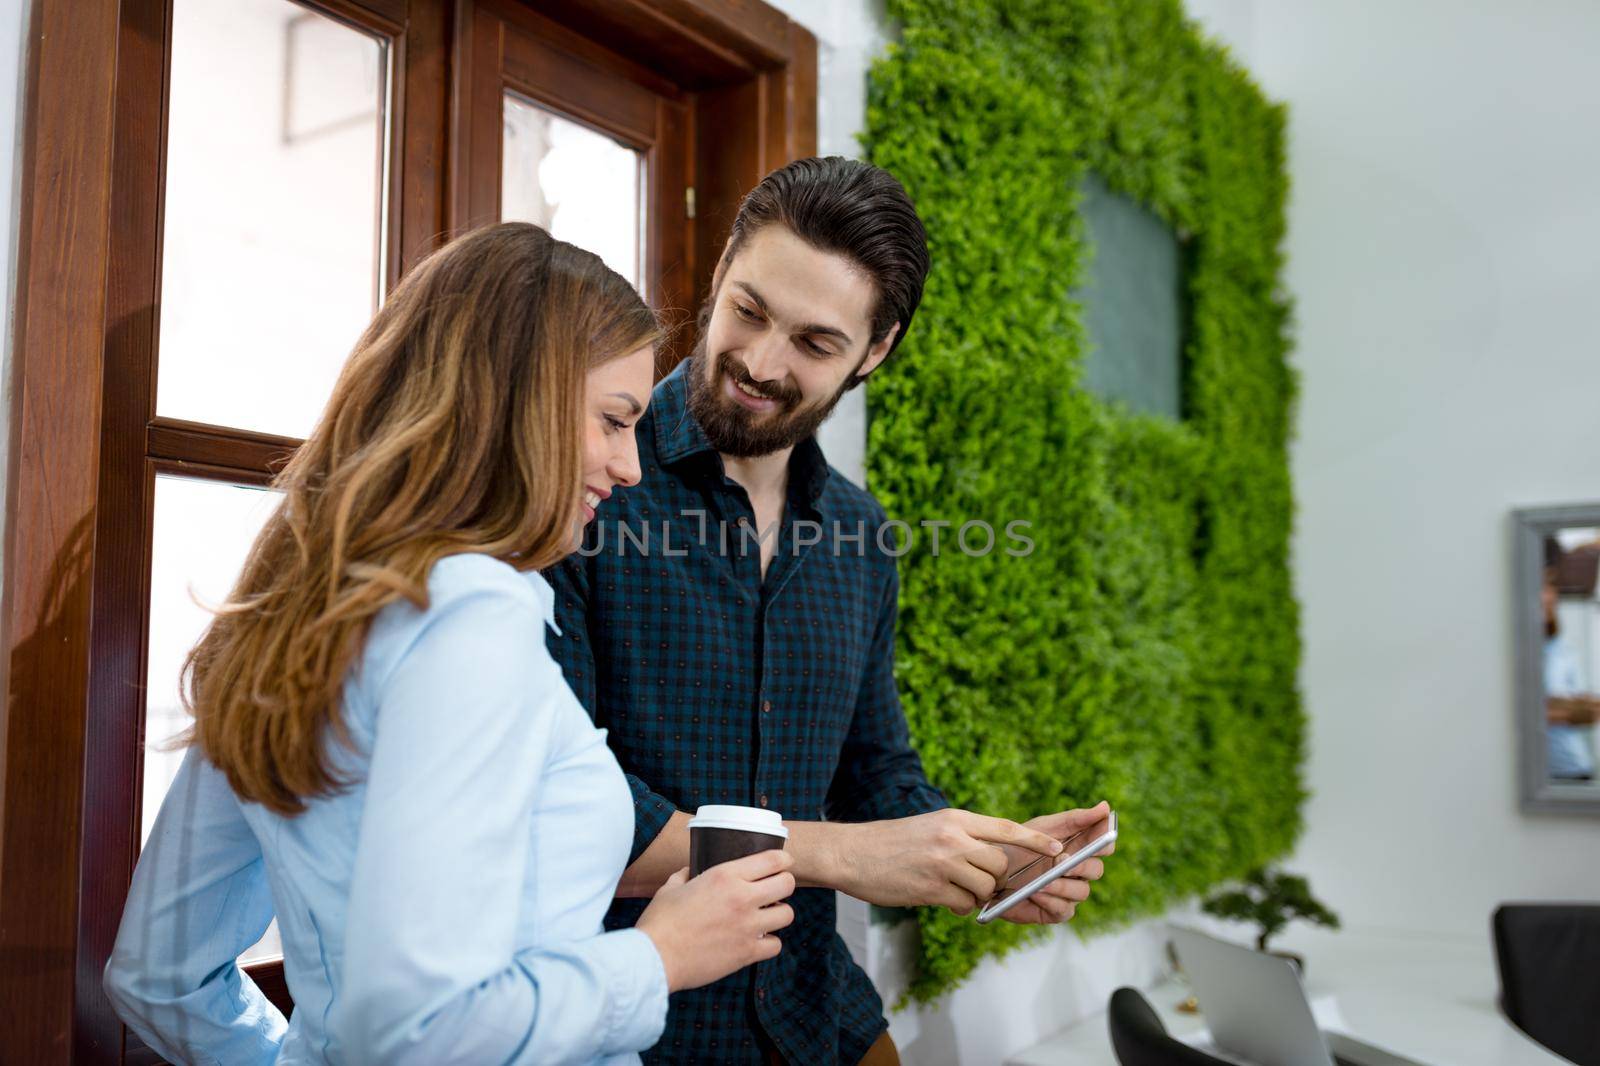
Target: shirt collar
x=546 y=597
x=678 y=436
x=808 y=470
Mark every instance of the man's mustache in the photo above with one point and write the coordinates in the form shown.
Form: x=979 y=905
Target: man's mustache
x=772 y=390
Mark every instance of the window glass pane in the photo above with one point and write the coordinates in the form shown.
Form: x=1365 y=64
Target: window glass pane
x=271 y=252
x=582 y=186
x=203 y=530
x=1133 y=302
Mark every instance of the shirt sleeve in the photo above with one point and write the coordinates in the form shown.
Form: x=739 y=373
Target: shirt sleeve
x=1560 y=669
x=574 y=652
x=432 y=974
x=880 y=775
x=199 y=898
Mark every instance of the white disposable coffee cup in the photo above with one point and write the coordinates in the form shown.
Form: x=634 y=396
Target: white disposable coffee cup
x=720 y=833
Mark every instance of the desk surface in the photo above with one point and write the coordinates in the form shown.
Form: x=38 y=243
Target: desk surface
x=1429 y=999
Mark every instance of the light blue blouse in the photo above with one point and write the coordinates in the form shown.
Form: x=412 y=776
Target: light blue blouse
x=447 y=906
x=1570 y=748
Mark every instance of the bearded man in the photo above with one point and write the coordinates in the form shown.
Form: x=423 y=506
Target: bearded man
x=731 y=619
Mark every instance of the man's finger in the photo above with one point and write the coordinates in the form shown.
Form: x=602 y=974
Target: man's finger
x=1056 y=908
x=1074 y=818
x=1068 y=888
x=1065 y=823
x=1041 y=909
x=1088 y=870
x=1058 y=894
x=1005 y=831
x=991 y=861
x=971 y=879
x=958 y=900
x=1061 y=888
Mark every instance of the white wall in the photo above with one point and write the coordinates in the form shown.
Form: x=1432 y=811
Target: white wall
x=1443 y=237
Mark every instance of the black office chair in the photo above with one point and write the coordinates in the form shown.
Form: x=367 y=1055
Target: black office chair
x=1140 y=1039
x=1549 y=960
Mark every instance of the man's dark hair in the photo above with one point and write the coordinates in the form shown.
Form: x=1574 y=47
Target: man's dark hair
x=849 y=208
x=1552 y=553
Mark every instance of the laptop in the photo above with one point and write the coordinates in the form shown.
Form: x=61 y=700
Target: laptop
x=1257 y=1012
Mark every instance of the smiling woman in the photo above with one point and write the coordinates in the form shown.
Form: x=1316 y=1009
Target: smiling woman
x=614 y=399
x=708 y=96
x=385 y=753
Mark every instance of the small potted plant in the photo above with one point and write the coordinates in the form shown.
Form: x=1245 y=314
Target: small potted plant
x=1271 y=899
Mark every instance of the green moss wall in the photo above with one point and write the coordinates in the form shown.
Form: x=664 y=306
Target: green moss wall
x=1145 y=652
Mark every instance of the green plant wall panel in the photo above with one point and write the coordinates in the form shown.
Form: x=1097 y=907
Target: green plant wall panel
x=1146 y=651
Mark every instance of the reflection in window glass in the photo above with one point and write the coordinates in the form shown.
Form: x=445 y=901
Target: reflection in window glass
x=582 y=186
x=271 y=249
x=1570 y=598
x=1133 y=303
x=203 y=531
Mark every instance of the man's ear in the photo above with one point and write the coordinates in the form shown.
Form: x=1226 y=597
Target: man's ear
x=879 y=352
x=722 y=266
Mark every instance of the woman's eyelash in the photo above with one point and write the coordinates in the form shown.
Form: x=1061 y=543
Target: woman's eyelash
x=616 y=423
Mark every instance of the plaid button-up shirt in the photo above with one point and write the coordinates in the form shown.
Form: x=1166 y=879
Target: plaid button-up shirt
x=717 y=686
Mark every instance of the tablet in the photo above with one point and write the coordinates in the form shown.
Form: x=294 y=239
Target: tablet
x=1084 y=844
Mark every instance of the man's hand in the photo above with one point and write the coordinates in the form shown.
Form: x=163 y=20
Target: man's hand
x=947 y=858
x=1058 y=901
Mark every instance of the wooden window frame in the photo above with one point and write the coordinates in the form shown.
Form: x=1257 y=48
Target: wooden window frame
x=85 y=441
x=511 y=47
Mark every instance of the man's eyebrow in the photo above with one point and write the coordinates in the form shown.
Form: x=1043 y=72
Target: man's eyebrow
x=810 y=327
x=632 y=403
x=749 y=290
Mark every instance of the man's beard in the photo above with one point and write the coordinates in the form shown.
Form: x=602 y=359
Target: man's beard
x=733 y=429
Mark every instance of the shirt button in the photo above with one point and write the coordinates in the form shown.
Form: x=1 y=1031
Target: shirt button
x=766 y=706
x=763 y=799
x=761 y=993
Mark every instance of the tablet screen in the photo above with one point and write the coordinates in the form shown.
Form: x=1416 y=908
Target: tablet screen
x=1071 y=846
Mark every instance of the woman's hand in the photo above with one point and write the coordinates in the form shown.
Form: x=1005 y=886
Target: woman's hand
x=721 y=921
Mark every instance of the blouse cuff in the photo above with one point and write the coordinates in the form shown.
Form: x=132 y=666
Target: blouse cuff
x=637 y=979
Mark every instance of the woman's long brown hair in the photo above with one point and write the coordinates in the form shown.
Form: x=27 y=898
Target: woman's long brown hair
x=455 y=427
